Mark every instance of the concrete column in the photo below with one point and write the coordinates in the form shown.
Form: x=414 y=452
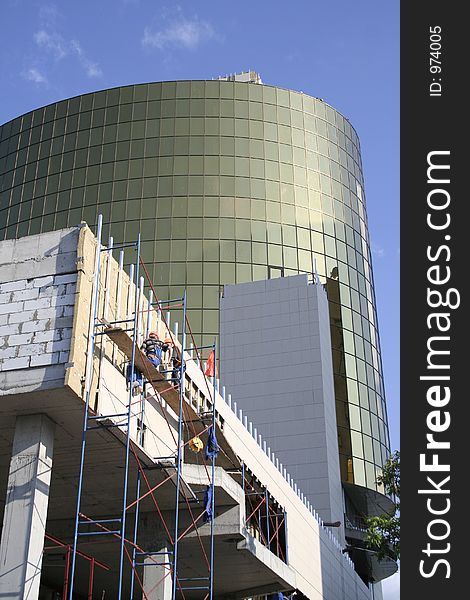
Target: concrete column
x=24 y=522
x=376 y=590
x=154 y=588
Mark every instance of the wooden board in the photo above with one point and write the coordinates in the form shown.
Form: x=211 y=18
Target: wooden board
x=227 y=457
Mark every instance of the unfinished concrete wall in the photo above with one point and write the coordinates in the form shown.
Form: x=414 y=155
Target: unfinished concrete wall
x=38 y=276
x=275 y=360
x=116 y=301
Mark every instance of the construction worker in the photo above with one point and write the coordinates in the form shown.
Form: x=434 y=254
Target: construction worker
x=166 y=358
x=176 y=368
x=137 y=379
x=153 y=348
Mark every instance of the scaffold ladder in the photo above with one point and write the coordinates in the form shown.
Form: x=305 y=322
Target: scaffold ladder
x=93 y=422
x=117 y=332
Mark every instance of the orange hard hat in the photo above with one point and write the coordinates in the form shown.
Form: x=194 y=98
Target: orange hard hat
x=154 y=334
x=168 y=341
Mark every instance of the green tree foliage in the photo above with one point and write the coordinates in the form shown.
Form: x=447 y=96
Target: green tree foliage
x=383 y=532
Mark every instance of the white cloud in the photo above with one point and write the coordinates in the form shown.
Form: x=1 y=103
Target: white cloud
x=52 y=42
x=60 y=48
x=49 y=15
x=377 y=250
x=391 y=587
x=34 y=75
x=76 y=47
x=186 y=33
x=92 y=69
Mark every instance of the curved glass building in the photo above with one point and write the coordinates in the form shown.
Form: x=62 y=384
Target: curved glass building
x=227 y=182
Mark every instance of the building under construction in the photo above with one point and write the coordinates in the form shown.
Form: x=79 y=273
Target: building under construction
x=234 y=226
x=111 y=490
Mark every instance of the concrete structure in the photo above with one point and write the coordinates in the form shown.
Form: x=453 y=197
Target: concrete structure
x=39 y=313
x=24 y=521
x=275 y=358
x=245 y=76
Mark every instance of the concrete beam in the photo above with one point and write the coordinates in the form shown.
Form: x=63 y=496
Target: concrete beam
x=24 y=522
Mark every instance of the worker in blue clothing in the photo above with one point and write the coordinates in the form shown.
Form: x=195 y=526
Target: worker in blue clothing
x=135 y=379
x=176 y=367
x=153 y=348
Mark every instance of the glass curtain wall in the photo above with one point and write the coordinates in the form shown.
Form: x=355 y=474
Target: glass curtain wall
x=227 y=182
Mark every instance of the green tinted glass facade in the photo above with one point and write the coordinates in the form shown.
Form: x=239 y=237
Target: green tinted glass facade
x=227 y=182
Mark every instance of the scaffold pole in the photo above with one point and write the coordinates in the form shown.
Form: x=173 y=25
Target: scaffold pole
x=88 y=378
x=129 y=413
x=211 y=575
x=179 y=451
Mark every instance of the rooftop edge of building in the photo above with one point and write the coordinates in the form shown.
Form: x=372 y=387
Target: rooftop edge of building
x=216 y=80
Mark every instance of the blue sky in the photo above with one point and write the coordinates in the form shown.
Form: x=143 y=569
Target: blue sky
x=344 y=52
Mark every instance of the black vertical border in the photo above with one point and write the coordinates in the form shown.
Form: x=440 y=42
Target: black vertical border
x=434 y=124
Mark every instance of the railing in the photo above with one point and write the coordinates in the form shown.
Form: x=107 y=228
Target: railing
x=357 y=523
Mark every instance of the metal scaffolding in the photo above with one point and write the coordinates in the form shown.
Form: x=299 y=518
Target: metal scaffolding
x=168 y=386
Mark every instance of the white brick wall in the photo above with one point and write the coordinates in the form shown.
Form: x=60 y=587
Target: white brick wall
x=36 y=317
